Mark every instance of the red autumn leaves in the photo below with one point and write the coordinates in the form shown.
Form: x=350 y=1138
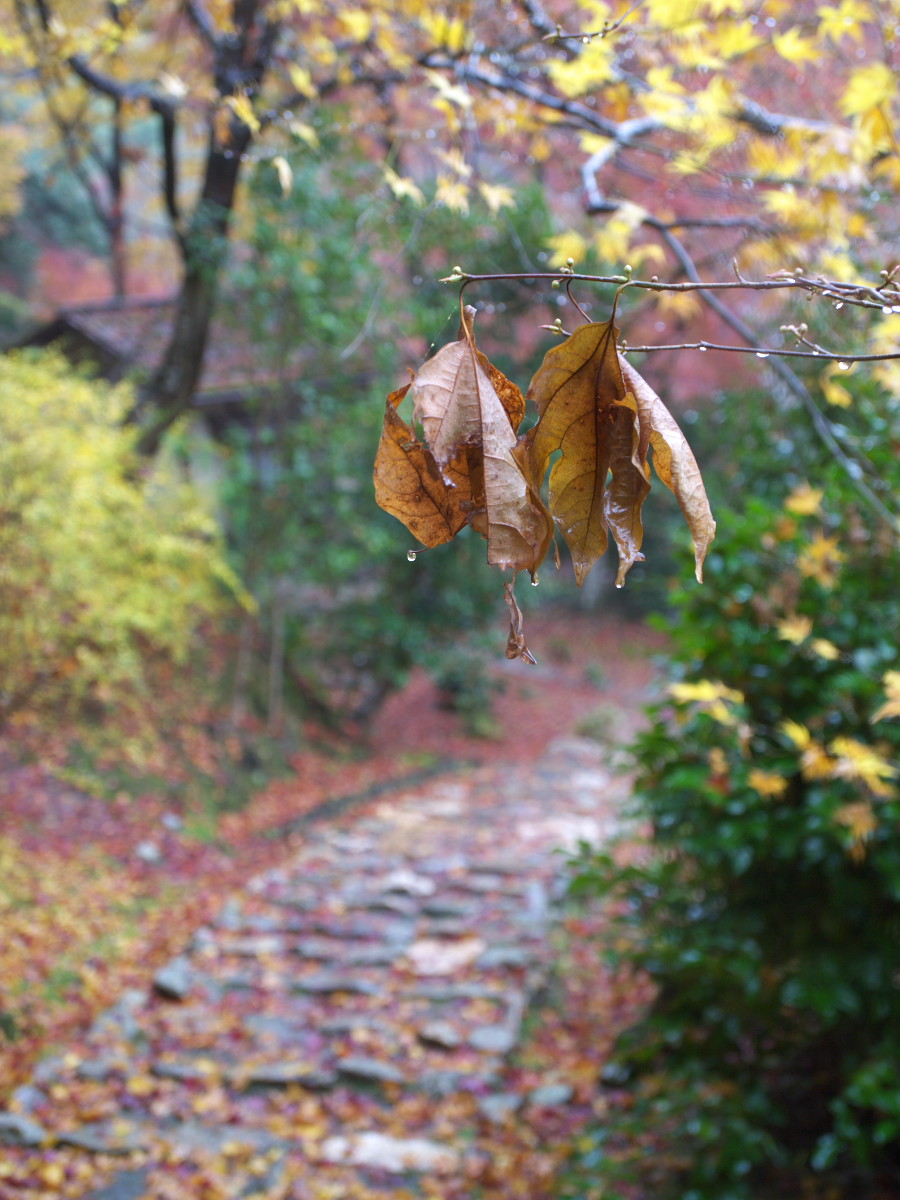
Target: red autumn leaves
x=471 y=467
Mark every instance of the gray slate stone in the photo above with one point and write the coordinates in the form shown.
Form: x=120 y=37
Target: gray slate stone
x=439 y=1033
x=99 y=1137
x=175 y=979
x=127 y=1185
x=284 y=1074
x=500 y=1106
x=505 y=956
x=372 y=1070
x=16 y=1130
x=551 y=1095
x=326 y=982
x=497 y=1039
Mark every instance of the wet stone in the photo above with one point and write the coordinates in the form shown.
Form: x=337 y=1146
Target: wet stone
x=439 y=1033
x=100 y=1069
x=505 y=956
x=337 y=1026
x=104 y=1138
x=326 y=982
x=190 y=1136
x=500 y=1106
x=447 y=908
x=442 y=1083
x=551 y=1095
x=286 y=1074
x=185 y=1070
x=255 y=946
x=404 y=906
x=410 y=882
x=373 y=956
x=127 y=1185
x=395 y=1155
x=444 y=992
x=16 y=1130
x=447 y=927
x=175 y=980
x=371 y=1070
x=496 y=1039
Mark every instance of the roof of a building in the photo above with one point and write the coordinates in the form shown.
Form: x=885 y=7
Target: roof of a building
x=130 y=334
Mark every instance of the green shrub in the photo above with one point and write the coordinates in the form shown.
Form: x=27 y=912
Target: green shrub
x=767 y=909
x=102 y=567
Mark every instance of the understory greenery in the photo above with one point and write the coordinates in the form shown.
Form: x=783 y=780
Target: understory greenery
x=332 y=268
x=766 y=907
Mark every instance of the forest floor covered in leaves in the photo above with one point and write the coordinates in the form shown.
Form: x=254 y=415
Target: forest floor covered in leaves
x=459 y=979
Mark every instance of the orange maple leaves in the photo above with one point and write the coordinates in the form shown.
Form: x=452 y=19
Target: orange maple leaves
x=597 y=421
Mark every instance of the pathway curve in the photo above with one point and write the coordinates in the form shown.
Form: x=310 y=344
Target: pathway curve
x=349 y=1025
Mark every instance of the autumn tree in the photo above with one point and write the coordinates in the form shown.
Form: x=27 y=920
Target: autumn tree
x=678 y=136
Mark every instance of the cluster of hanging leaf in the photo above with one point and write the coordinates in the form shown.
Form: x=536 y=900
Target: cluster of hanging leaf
x=470 y=466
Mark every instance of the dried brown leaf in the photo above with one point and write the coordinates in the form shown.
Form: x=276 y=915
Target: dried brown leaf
x=673 y=461
x=580 y=397
x=433 y=503
x=515 y=645
x=465 y=405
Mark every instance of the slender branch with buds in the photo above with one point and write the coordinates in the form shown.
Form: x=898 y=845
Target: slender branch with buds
x=885 y=297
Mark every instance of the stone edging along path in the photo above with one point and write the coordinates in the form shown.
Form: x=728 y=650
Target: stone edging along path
x=349 y=1025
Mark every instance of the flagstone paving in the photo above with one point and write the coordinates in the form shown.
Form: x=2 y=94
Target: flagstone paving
x=348 y=1027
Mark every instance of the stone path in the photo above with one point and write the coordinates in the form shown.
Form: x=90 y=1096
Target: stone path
x=349 y=1026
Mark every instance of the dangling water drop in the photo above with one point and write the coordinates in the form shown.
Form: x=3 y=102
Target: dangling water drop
x=762 y=354
x=702 y=349
x=621 y=585
x=838 y=304
x=412 y=555
x=534 y=581
x=844 y=366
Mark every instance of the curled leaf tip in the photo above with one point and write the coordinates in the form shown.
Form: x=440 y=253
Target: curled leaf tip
x=515 y=646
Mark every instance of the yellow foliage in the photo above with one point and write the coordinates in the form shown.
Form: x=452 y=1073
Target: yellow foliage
x=868 y=87
x=564 y=246
x=403 y=188
x=891 y=706
x=833 y=391
x=101 y=567
x=593 y=66
x=859 y=818
x=804 y=500
x=825 y=649
x=821 y=559
x=711 y=697
x=452 y=193
x=857 y=761
x=795 y=629
x=843 y=20
x=496 y=196
x=796 y=48
x=797 y=733
x=767 y=783
x=734 y=39
x=613 y=240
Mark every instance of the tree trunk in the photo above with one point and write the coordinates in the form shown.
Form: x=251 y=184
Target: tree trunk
x=169 y=392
